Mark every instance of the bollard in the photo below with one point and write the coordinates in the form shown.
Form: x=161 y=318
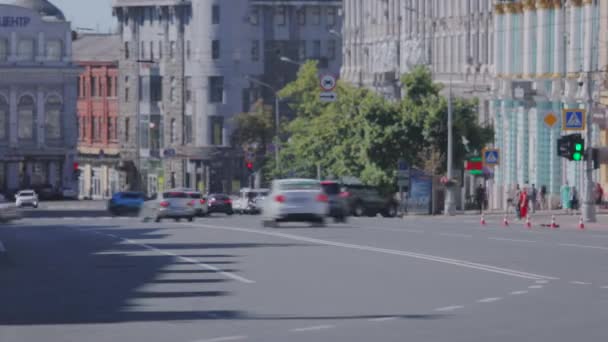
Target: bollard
x=483 y=220
x=581 y=224
x=505 y=221
x=528 y=224
x=553 y=224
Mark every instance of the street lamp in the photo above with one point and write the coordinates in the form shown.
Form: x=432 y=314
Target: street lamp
x=289 y=60
x=276 y=116
x=335 y=33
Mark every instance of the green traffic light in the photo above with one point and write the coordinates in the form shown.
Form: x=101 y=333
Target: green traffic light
x=577 y=156
x=578 y=147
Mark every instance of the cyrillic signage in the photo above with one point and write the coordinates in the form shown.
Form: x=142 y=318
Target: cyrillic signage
x=10 y=21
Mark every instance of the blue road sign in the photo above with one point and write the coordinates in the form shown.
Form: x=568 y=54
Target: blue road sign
x=573 y=119
x=491 y=157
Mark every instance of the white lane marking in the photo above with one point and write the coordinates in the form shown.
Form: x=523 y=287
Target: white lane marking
x=515 y=293
x=222 y=339
x=461 y=263
x=576 y=282
x=541 y=281
x=513 y=240
x=382 y=319
x=583 y=246
x=313 y=328
x=449 y=308
x=489 y=300
x=535 y=287
x=604 y=287
x=455 y=235
x=2 y=249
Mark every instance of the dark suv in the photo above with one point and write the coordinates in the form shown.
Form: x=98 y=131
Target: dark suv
x=368 y=200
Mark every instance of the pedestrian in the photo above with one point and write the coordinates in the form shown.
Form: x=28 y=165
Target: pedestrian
x=574 y=200
x=524 y=201
x=480 y=197
x=517 y=201
x=565 y=197
x=533 y=199
x=543 y=197
x=599 y=194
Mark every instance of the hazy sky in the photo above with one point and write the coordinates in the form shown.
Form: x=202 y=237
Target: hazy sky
x=93 y=14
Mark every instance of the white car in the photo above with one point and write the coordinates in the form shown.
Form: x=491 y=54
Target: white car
x=26 y=197
x=295 y=200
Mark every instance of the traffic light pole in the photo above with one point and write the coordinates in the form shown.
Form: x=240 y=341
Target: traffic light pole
x=588 y=203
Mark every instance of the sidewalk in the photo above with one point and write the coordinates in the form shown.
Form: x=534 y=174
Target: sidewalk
x=556 y=212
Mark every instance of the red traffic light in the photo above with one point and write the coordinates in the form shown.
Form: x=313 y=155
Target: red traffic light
x=76 y=166
x=249 y=166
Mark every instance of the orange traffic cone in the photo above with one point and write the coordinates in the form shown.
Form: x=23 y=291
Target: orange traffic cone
x=553 y=224
x=483 y=220
x=505 y=221
x=528 y=224
x=581 y=224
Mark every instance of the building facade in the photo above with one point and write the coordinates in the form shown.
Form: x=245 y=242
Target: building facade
x=543 y=49
x=38 y=131
x=601 y=117
x=183 y=76
x=98 y=148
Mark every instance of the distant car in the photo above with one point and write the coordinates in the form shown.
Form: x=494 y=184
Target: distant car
x=46 y=192
x=126 y=203
x=220 y=203
x=8 y=210
x=199 y=202
x=249 y=201
x=26 y=198
x=368 y=200
x=338 y=207
x=69 y=193
x=295 y=200
x=173 y=204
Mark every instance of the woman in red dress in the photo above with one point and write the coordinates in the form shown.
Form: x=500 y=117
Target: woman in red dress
x=523 y=204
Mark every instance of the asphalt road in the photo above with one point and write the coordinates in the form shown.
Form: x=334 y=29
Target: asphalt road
x=96 y=278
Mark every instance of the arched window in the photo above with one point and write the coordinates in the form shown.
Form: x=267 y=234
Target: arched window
x=4 y=112
x=25 y=117
x=53 y=117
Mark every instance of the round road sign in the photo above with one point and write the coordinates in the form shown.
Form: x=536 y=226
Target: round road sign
x=328 y=82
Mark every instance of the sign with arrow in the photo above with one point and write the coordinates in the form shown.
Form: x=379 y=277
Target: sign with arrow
x=328 y=96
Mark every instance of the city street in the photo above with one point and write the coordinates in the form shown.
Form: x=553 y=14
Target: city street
x=221 y=278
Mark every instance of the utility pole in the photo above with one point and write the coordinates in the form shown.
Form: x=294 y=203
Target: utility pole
x=588 y=204
x=276 y=132
x=449 y=195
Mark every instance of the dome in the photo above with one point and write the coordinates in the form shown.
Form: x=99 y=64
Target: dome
x=43 y=7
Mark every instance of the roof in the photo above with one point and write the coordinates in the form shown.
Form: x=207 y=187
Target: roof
x=96 y=48
x=43 y=7
x=144 y=3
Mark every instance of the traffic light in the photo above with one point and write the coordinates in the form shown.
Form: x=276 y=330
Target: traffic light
x=578 y=149
x=571 y=147
x=249 y=166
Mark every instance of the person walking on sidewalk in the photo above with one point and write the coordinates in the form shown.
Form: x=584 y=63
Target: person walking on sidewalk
x=574 y=200
x=480 y=197
x=523 y=203
x=543 y=197
x=533 y=200
x=517 y=201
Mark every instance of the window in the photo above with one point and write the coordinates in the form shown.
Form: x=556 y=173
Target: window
x=173 y=131
x=53 y=50
x=172 y=90
x=25 y=50
x=93 y=87
x=188 y=50
x=95 y=129
x=316 y=49
x=80 y=128
x=53 y=117
x=255 y=50
x=111 y=129
x=142 y=53
x=331 y=49
x=188 y=90
x=3 y=50
x=215 y=14
x=217 y=128
x=254 y=17
x=4 y=112
x=160 y=49
x=109 y=86
x=127 y=124
x=302 y=50
x=316 y=15
x=81 y=87
x=280 y=15
x=302 y=16
x=216 y=89
x=156 y=88
x=172 y=49
x=126 y=50
x=25 y=117
x=331 y=16
x=188 y=129
x=215 y=49
x=152 y=50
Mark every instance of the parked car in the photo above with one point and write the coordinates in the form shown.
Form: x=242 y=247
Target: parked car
x=220 y=203
x=199 y=202
x=69 y=193
x=125 y=203
x=249 y=201
x=46 y=192
x=26 y=198
x=368 y=200
x=338 y=207
x=8 y=210
x=295 y=200
x=173 y=204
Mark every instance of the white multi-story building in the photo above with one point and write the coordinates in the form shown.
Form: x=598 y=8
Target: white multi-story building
x=183 y=76
x=384 y=39
x=38 y=82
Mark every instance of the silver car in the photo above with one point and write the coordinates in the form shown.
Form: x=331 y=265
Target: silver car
x=172 y=204
x=26 y=198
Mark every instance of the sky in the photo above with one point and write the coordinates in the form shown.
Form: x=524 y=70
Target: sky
x=88 y=14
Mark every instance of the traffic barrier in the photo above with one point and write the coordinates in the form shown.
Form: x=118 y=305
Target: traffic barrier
x=483 y=220
x=528 y=224
x=581 y=224
x=505 y=221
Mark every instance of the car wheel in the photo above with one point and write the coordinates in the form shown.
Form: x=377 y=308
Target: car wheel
x=230 y=213
x=391 y=211
x=320 y=222
x=176 y=219
x=270 y=224
x=191 y=218
x=359 y=210
x=157 y=219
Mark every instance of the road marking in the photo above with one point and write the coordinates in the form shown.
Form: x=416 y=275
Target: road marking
x=513 y=240
x=576 y=282
x=515 y=293
x=222 y=339
x=583 y=246
x=489 y=300
x=382 y=319
x=190 y=260
x=535 y=287
x=455 y=235
x=449 y=308
x=2 y=249
x=313 y=328
x=541 y=281
x=456 y=262
x=604 y=287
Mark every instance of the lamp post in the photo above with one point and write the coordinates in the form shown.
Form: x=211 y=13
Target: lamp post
x=276 y=118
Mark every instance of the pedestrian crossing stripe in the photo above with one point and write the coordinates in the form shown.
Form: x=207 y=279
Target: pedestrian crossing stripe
x=573 y=119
